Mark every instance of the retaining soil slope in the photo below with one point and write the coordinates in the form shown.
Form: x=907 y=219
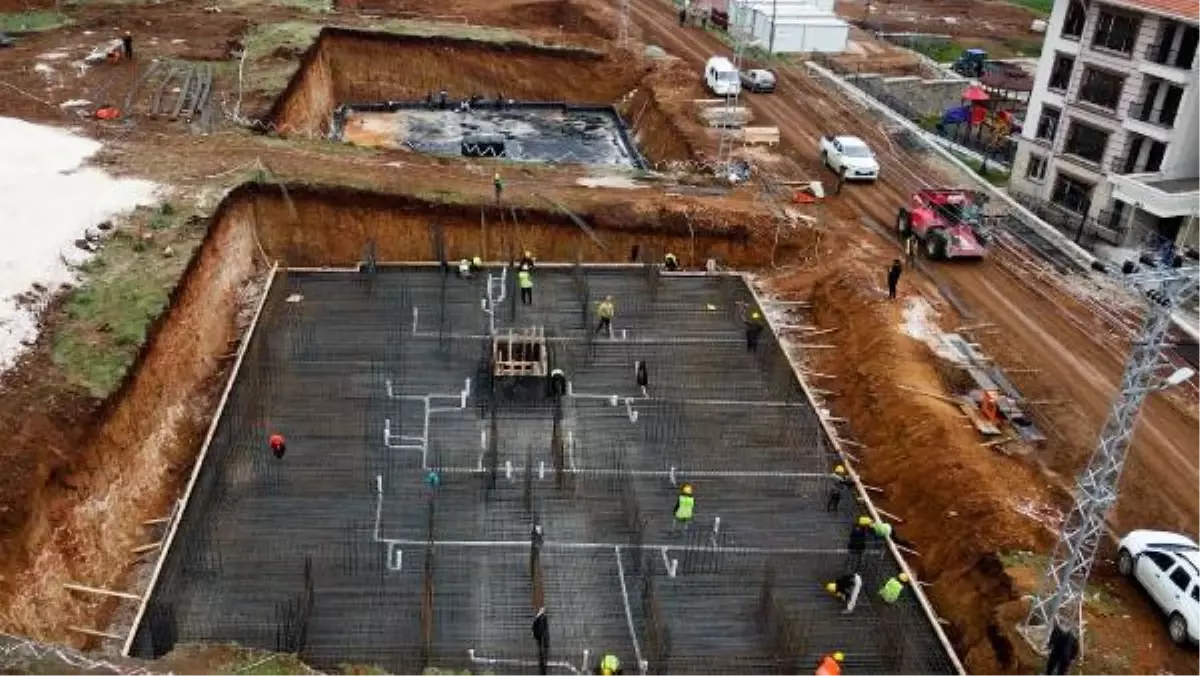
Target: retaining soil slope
x=80 y=487
x=332 y=226
x=957 y=499
x=84 y=501
x=346 y=65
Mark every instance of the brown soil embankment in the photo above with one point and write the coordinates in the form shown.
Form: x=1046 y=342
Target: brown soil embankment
x=333 y=226
x=661 y=116
x=80 y=489
x=79 y=483
x=345 y=66
x=959 y=501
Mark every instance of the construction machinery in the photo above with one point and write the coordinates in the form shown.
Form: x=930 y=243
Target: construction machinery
x=948 y=222
x=971 y=63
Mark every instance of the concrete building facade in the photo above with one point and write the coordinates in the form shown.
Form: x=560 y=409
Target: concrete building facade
x=1110 y=140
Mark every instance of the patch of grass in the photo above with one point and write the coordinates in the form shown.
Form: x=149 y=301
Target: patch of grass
x=1021 y=558
x=30 y=22
x=257 y=663
x=942 y=51
x=1025 y=47
x=1041 y=7
x=361 y=670
x=122 y=290
x=463 y=31
x=994 y=174
x=263 y=73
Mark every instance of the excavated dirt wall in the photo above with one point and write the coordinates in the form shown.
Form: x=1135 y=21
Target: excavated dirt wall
x=332 y=226
x=362 y=66
x=91 y=484
x=958 y=509
x=82 y=488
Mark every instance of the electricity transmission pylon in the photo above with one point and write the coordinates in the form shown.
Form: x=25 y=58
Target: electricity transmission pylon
x=1060 y=595
x=729 y=132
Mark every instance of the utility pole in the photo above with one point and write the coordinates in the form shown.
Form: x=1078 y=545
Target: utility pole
x=1060 y=595
x=729 y=132
x=774 y=19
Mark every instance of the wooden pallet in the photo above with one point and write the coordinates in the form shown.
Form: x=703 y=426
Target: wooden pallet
x=752 y=136
x=520 y=353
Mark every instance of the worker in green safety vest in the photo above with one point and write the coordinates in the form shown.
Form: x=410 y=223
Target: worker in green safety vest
x=609 y=665
x=685 y=507
x=525 y=281
x=890 y=591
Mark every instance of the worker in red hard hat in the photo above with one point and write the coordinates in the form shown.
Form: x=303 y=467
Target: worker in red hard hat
x=278 y=445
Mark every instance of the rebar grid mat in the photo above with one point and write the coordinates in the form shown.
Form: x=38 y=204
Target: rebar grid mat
x=424 y=510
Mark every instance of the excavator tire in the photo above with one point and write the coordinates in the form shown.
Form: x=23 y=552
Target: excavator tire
x=935 y=245
x=903 y=223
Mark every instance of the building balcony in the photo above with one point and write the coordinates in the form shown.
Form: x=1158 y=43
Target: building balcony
x=1164 y=55
x=1156 y=194
x=1159 y=116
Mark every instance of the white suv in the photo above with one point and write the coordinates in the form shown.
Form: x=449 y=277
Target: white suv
x=1167 y=565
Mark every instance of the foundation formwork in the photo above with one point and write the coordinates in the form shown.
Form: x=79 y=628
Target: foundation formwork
x=425 y=510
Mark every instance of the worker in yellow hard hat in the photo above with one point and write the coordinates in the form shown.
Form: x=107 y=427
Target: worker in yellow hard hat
x=527 y=261
x=609 y=665
x=753 y=320
x=841 y=482
x=846 y=588
x=890 y=591
x=498 y=185
x=476 y=264
x=685 y=508
x=671 y=262
x=830 y=664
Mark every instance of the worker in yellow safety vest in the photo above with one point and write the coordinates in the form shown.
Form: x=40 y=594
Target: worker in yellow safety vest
x=525 y=281
x=605 y=310
x=609 y=665
x=890 y=591
x=685 y=508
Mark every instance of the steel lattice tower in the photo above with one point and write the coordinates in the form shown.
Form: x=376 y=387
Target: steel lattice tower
x=729 y=133
x=1060 y=595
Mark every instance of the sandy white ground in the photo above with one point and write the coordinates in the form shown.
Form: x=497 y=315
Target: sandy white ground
x=47 y=201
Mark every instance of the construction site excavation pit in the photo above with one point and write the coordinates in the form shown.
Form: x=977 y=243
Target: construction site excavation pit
x=534 y=132
x=350 y=67
x=435 y=493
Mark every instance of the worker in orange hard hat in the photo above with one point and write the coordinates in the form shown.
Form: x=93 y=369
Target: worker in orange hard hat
x=278 y=445
x=830 y=664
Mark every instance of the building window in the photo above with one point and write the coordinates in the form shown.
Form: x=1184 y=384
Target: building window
x=1159 y=103
x=1073 y=23
x=1060 y=73
x=1047 y=127
x=1101 y=88
x=1071 y=193
x=1036 y=169
x=1086 y=142
x=1116 y=32
x=1176 y=45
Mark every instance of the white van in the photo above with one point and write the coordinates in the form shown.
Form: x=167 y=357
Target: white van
x=721 y=77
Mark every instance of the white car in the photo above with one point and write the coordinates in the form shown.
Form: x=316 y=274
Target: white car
x=850 y=157
x=1167 y=565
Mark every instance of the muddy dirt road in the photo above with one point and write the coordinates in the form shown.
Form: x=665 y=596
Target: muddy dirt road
x=1163 y=471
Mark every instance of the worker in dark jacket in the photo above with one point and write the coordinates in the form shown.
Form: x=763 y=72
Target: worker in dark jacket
x=846 y=589
x=558 y=383
x=671 y=263
x=127 y=45
x=278 y=445
x=541 y=634
x=1064 y=648
x=857 y=543
x=841 y=483
x=753 y=321
x=893 y=277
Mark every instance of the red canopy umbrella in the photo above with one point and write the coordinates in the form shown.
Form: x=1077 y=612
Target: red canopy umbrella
x=975 y=93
